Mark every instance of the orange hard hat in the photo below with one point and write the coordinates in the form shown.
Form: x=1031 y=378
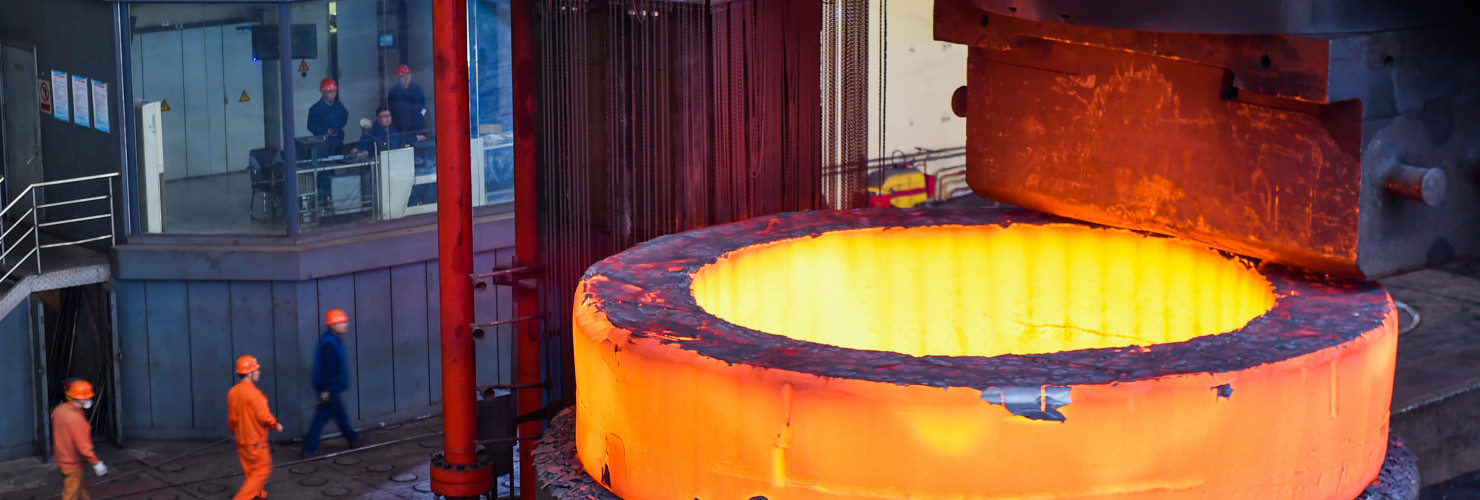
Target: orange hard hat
x=328 y=85
x=403 y=70
x=335 y=316
x=80 y=389
x=247 y=364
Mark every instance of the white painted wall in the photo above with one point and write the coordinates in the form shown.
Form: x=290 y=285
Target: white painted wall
x=922 y=74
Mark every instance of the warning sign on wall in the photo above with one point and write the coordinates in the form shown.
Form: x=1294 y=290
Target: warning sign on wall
x=164 y=105
x=43 y=93
x=303 y=65
x=244 y=97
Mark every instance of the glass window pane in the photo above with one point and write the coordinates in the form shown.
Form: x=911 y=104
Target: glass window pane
x=492 y=94
x=206 y=74
x=364 y=116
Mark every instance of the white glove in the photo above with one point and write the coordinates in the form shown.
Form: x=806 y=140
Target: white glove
x=100 y=469
x=323 y=397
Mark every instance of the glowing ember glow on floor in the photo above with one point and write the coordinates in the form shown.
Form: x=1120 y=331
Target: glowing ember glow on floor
x=985 y=354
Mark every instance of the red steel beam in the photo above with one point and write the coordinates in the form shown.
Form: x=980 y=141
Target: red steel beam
x=458 y=472
x=526 y=228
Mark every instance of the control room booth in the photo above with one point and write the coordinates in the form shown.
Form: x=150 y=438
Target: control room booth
x=238 y=134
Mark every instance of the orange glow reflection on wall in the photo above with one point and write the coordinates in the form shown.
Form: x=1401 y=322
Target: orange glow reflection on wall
x=656 y=419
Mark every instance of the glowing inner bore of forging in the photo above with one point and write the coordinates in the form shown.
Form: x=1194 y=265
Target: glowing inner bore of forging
x=983 y=290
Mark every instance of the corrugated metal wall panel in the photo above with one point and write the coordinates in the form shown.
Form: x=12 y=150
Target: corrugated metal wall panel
x=373 y=337
x=310 y=326
x=170 y=375
x=133 y=345
x=18 y=416
x=179 y=341
x=409 y=334
x=434 y=333
x=289 y=369
x=210 y=354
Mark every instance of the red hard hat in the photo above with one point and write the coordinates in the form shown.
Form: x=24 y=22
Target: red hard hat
x=247 y=364
x=80 y=389
x=402 y=70
x=328 y=85
x=335 y=316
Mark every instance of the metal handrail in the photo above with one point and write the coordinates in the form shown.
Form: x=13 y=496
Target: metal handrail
x=31 y=220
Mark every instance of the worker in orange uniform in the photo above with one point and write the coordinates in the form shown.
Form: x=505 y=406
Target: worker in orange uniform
x=249 y=418
x=71 y=438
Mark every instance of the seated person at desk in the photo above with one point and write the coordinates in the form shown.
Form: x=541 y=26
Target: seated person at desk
x=383 y=135
x=328 y=116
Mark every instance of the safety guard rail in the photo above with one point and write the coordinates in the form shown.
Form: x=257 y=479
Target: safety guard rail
x=23 y=218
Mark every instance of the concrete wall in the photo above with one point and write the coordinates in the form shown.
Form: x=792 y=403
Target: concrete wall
x=17 y=383
x=179 y=340
x=922 y=74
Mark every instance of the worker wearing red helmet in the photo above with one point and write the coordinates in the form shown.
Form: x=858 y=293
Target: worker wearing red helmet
x=407 y=103
x=249 y=418
x=330 y=377
x=328 y=116
x=71 y=439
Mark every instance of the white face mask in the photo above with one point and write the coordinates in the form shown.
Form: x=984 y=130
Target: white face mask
x=86 y=403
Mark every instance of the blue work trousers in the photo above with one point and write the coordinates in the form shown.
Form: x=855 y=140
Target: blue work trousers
x=334 y=409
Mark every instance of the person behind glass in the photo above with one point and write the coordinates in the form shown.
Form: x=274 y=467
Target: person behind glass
x=407 y=103
x=383 y=135
x=328 y=116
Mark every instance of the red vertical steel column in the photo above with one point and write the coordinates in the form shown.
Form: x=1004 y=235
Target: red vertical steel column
x=526 y=227
x=457 y=472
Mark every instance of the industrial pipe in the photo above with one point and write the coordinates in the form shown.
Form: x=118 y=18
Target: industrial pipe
x=526 y=229
x=457 y=471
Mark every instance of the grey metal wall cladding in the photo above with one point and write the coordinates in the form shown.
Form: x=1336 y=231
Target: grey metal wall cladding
x=179 y=340
x=18 y=416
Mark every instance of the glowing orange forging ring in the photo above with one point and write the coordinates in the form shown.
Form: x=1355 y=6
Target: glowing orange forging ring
x=984 y=354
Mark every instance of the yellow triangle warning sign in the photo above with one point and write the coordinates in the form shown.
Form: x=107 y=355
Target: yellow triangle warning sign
x=164 y=105
x=244 y=97
x=303 y=65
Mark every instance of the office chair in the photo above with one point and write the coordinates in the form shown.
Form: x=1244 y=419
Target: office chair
x=266 y=170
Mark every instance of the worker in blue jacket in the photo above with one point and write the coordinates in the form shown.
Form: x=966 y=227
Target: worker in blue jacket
x=330 y=377
x=407 y=102
x=328 y=116
x=383 y=135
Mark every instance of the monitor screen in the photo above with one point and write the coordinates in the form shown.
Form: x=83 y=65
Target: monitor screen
x=314 y=147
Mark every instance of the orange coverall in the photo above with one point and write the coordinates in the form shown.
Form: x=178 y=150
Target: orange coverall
x=71 y=438
x=250 y=419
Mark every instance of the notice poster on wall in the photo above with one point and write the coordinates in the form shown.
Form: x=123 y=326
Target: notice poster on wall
x=100 y=105
x=60 y=102
x=81 y=115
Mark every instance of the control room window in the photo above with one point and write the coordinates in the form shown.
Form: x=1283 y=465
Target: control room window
x=209 y=118
x=363 y=124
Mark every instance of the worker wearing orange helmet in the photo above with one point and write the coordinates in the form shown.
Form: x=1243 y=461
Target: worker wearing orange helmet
x=330 y=377
x=408 y=104
x=71 y=439
x=249 y=418
x=328 y=116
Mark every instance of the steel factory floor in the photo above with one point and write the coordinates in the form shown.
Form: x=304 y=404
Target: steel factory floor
x=391 y=463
